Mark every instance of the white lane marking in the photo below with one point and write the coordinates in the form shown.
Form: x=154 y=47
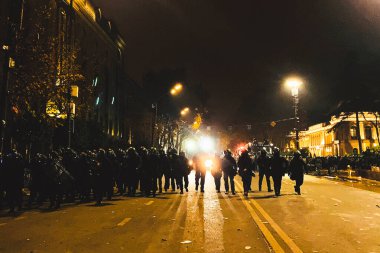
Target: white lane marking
x=213 y=220
x=337 y=200
x=123 y=222
x=3 y=224
x=149 y=203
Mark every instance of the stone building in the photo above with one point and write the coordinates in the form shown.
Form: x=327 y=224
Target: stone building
x=101 y=50
x=338 y=136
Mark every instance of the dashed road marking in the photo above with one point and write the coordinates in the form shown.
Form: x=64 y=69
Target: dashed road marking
x=3 y=224
x=123 y=222
x=149 y=203
x=20 y=218
x=337 y=200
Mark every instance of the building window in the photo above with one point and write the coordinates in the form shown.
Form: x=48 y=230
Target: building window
x=368 y=132
x=353 y=133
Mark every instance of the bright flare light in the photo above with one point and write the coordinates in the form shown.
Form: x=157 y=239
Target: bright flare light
x=208 y=164
x=207 y=144
x=190 y=145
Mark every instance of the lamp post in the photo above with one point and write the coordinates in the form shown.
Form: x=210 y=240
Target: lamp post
x=174 y=91
x=294 y=83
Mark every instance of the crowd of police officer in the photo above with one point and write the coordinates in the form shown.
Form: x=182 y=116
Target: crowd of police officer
x=65 y=175
x=246 y=165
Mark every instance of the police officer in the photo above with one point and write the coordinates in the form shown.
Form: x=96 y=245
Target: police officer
x=297 y=169
x=245 y=166
x=161 y=167
x=278 y=168
x=102 y=176
x=132 y=163
x=154 y=165
x=13 y=179
x=144 y=172
x=229 y=171
x=168 y=172
x=200 y=173
x=185 y=169
x=216 y=171
x=263 y=162
x=177 y=169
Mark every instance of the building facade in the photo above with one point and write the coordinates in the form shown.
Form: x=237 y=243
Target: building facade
x=78 y=26
x=101 y=56
x=339 y=137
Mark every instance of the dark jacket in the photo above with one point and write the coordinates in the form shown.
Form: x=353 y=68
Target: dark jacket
x=245 y=165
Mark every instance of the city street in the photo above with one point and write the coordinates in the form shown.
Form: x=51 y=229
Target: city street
x=328 y=217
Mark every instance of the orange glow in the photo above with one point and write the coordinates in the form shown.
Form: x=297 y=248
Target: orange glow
x=85 y=7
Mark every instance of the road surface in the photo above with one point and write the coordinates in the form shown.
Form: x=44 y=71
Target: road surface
x=329 y=216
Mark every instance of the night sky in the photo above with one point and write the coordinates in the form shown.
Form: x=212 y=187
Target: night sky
x=241 y=50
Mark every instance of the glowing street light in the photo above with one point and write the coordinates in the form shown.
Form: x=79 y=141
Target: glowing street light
x=294 y=84
x=177 y=89
x=185 y=111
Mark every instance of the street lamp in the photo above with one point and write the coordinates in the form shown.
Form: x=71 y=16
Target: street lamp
x=174 y=91
x=294 y=84
x=185 y=111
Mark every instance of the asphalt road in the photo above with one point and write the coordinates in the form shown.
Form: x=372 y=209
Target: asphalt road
x=328 y=217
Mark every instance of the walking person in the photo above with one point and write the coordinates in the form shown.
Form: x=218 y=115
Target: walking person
x=297 y=169
x=14 y=166
x=216 y=172
x=263 y=162
x=178 y=170
x=229 y=171
x=200 y=173
x=278 y=168
x=132 y=163
x=245 y=166
x=185 y=169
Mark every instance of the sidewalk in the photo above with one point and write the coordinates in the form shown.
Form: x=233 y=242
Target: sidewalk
x=352 y=178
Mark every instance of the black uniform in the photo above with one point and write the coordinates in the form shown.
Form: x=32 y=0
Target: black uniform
x=245 y=171
x=168 y=173
x=263 y=162
x=229 y=172
x=13 y=166
x=216 y=172
x=177 y=169
x=185 y=169
x=200 y=174
x=132 y=162
x=297 y=169
x=278 y=168
x=154 y=164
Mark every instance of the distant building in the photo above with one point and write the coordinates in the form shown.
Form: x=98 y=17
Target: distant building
x=338 y=137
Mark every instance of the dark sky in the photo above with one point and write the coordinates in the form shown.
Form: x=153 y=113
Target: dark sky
x=241 y=50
